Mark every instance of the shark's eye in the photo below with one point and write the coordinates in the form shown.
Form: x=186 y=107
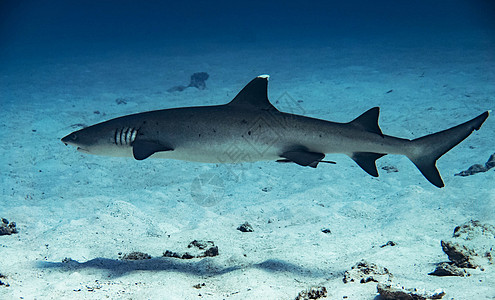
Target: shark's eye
x=73 y=136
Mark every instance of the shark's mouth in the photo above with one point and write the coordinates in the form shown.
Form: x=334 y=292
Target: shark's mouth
x=82 y=150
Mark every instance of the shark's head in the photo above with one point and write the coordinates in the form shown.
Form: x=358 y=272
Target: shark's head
x=100 y=139
x=83 y=142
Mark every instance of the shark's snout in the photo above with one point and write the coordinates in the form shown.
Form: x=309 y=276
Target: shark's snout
x=74 y=140
x=70 y=139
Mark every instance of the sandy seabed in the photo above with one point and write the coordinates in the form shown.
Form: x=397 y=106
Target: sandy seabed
x=75 y=213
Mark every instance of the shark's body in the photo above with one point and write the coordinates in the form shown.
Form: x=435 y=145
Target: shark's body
x=250 y=128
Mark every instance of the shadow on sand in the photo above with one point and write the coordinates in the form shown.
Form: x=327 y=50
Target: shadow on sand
x=203 y=267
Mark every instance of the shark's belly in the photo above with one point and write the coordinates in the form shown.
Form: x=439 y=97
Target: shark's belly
x=234 y=152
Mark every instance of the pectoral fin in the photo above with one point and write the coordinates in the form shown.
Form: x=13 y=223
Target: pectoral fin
x=303 y=158
x=144 y=149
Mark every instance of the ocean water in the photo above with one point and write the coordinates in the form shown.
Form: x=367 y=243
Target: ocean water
x=65 y=65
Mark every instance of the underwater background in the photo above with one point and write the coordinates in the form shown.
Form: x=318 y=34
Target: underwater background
x=77 y=226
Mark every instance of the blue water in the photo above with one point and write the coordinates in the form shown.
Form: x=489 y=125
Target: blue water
x=64 y=28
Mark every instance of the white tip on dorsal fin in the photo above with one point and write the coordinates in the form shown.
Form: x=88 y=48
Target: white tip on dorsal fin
x=254 y=95
x=264 y=76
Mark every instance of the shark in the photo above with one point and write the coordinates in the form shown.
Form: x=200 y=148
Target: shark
x=249 y=129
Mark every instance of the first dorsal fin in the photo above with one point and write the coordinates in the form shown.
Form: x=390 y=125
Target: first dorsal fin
x=254 y=95
x=368 y=121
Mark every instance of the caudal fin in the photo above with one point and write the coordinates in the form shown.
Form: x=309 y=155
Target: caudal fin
x=427 y=149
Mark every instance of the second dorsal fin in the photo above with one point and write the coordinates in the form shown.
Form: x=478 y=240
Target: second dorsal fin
x=254 y=95
x=368 y=121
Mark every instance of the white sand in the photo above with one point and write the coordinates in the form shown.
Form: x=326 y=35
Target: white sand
x=88 y=208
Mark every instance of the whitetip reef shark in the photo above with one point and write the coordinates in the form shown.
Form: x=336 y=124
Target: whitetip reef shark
x=249 y=128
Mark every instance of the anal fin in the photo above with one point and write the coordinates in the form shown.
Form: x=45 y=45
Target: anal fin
x=366 y=160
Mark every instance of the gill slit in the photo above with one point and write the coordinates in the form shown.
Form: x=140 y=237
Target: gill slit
x=125 y=135
x=115 y=136
x=120 y=136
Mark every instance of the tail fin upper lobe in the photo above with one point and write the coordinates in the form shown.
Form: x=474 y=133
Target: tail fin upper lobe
x=427 y=149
